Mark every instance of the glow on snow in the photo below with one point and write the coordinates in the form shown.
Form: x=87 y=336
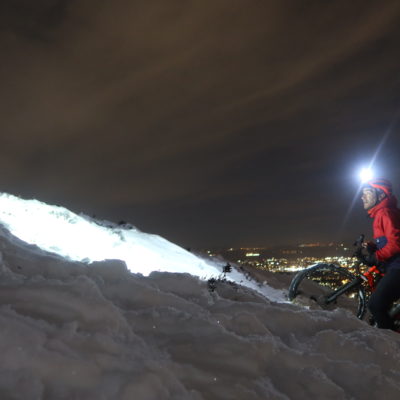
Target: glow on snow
x=79 y=238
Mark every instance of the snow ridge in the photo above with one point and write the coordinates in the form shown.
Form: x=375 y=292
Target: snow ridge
x=85 y=239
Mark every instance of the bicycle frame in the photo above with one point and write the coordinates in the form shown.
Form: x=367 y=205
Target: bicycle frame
x=343 y=289
x=351 y=280
x=367 y=276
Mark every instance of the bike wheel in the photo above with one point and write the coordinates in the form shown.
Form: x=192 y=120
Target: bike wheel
x=395 y=315
x=312 y=285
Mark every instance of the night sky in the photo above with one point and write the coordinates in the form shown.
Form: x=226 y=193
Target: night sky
x=211 y=123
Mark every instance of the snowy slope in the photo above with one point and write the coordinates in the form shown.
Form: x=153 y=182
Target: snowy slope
x=73 y=331
x=81 y=238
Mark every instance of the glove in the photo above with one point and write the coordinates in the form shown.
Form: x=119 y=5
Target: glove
x=368 y=254
x=370 y=260
x=371 y=247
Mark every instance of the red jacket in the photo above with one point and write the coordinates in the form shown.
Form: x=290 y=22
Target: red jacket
x=386 y=228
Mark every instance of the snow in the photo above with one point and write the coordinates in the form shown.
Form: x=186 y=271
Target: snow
x=81 y=238
x=76 y=330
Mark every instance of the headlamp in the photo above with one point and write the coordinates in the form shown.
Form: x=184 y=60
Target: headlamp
x=366 y=174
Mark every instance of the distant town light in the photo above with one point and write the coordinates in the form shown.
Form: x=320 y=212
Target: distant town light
x=252 y=254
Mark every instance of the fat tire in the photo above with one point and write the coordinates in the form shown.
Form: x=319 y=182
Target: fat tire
x=300 y=277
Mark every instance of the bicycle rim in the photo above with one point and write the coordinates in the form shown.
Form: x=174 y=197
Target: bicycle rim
x=395 y=315
x=311 y=286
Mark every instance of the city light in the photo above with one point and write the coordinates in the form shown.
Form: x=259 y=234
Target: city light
x=285 y=265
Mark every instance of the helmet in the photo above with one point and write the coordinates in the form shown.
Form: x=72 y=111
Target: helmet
x=381 y=185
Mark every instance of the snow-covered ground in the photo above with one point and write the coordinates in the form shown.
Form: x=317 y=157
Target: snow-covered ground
x=72 y=330
x=81 y=238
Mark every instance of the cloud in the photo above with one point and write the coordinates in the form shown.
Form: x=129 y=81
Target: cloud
x=138 y=103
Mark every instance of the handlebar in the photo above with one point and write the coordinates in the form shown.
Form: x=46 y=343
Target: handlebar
x=361 y=257
x=358 y=245
x=359 y=241
x=357 y=253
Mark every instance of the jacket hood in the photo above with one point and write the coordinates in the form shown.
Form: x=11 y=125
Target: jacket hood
x=388 y=202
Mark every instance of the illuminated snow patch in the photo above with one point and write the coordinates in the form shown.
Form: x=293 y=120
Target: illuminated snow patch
x=58 y=230
x=81 y=238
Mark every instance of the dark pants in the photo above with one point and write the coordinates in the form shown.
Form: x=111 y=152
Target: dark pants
x=387 y=291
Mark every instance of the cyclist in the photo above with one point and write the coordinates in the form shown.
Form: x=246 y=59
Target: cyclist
x=384 y=251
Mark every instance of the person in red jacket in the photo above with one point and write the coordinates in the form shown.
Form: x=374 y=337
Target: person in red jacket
x=384 y=251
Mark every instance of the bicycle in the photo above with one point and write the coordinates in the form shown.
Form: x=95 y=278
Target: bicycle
x=330 y=286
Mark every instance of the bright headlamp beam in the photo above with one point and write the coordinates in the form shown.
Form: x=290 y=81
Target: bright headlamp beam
x=366 y=174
